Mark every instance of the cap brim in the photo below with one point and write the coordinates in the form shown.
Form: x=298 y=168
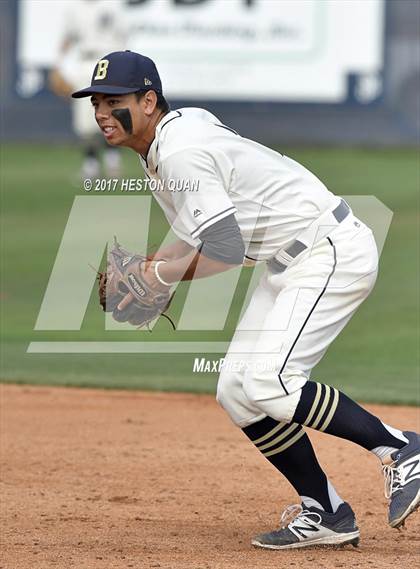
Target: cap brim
x=105 y=89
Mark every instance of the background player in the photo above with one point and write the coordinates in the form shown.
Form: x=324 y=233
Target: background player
x=321 y=264
x=90 y=27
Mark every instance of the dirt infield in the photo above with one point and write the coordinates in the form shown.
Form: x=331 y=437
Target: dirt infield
x=107 y=479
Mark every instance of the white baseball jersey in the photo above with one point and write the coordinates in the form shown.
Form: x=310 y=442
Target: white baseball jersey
x=273 y=197
x=295 y=314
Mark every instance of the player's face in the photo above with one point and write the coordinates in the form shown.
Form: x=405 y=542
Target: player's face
x=111 y=128
x=130 y=125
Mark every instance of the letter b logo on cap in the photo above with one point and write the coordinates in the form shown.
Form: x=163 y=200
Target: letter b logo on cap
x=102 y=69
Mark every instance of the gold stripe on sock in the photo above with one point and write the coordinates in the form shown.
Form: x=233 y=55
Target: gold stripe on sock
x=286 y=444
x=323 y=407
x=332 y=411
x=314 y=405
x=270 y=434
x=281 y=436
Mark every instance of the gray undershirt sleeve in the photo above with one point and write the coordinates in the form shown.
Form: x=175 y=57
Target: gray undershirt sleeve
x=223 y=242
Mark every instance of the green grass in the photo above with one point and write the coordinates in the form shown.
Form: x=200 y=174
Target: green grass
x=375 y=359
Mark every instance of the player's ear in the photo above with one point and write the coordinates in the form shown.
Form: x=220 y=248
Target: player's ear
x=149 y=101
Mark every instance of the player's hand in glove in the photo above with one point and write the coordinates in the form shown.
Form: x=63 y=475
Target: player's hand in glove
x=130 y=290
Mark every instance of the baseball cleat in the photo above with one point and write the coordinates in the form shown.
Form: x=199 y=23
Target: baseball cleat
x=312 y=527
x=402 y=481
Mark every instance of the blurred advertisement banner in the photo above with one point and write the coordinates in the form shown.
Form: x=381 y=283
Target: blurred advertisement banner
x=264 y=50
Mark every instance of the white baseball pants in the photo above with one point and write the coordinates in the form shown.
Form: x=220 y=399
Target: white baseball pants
x=291 y=320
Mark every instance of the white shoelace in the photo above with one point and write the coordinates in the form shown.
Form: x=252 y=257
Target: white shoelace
x=392 y=476
x=294 y=513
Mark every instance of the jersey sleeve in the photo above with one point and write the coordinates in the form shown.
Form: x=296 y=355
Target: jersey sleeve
x=197 y=189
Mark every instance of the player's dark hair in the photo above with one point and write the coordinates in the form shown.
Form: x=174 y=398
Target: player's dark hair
x=161 y=102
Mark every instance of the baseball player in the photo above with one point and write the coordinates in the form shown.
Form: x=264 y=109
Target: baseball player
x=87 y=24
x=321 y=263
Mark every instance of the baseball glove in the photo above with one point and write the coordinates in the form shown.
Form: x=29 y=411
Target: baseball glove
x=125 y=274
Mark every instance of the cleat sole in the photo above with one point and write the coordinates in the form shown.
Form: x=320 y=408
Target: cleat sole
x=339 y=540
x=400 y=522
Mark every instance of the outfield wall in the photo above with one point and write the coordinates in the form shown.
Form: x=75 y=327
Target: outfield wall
x=373 y=102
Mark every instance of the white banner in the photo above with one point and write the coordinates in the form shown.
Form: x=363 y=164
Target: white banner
x=267 y=50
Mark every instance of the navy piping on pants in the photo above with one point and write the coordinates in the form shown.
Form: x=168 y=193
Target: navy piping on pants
x=309 y=315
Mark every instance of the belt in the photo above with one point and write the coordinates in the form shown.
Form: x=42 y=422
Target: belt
x=311 y=235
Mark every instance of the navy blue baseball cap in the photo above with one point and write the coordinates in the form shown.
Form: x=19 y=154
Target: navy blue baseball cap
x=122 y=72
